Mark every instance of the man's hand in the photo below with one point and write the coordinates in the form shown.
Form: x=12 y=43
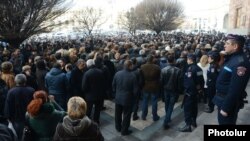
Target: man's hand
x=223 y=113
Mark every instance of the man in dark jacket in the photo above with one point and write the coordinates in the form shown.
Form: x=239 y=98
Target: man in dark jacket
x=151 y=74
x=5 y=133
x=171 y=77
x=56 y=83
x=76 y=78
x=93 y=85
x=16 y=103
x=125 y=87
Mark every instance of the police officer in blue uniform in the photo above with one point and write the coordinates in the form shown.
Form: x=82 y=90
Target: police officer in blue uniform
x=232 y=81
x=193 y=82
x=212 y=74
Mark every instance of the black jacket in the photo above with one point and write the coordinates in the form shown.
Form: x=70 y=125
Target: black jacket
x=171 y=79
x=93 y=84
x=125 y=87
x=5 y=133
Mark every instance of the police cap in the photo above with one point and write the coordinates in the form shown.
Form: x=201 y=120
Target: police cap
x=238 y=38
x=214 y=55
x=191 y=56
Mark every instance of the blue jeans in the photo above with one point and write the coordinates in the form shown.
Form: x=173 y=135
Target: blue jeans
x=154 y=99
x=170 y=99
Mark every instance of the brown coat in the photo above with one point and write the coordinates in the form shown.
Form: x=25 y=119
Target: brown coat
x=9 y=79
x=151 y=76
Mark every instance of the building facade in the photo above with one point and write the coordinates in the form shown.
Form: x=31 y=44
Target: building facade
x=209 y=16
x=239 y=17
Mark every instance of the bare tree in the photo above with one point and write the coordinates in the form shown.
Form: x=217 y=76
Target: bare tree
x=20 y=19
x=129 y=21
x=90 y=19
x=160 y=15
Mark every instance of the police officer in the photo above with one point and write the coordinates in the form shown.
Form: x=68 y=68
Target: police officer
x=193 y=82
x=232 y=81
x=212 y=74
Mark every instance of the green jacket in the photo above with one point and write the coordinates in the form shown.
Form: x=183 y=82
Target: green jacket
x=44 y=124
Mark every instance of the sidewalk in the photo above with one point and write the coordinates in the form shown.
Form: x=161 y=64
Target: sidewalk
x=153 y=131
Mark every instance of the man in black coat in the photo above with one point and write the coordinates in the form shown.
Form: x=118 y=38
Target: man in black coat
x=76 y=78
x=5 y=133
x=93 y=86
x=16 y=103
x=125 y=88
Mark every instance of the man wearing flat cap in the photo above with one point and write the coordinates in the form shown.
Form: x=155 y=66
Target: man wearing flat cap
x=232 y=81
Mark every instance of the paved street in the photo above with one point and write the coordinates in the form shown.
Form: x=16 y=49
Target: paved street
x=153 y=131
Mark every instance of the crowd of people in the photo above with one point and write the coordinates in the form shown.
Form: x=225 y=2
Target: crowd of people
x=61 y=86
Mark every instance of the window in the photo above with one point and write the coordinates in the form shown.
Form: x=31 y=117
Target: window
x=243 y=21
x=238 y=17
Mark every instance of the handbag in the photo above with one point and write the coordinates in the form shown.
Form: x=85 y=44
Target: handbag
x=28 y=134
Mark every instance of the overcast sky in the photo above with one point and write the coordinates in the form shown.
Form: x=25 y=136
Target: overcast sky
x=191 y=7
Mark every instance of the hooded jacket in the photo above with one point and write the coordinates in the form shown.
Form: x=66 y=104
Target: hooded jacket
x=56 y=81
x=77 y=130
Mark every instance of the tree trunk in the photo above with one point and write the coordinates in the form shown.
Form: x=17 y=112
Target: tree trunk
x=157 y=31
x=15 y=42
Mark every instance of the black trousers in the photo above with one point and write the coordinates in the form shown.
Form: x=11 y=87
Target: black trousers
x=97 y=110
x=122 y=117
x=190 y=109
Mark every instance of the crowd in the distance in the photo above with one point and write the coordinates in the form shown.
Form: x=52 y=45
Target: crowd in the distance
x=59 y=88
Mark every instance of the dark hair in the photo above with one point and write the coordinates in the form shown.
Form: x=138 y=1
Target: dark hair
x=58 y=55
x=150 y=58
x=127 y=64
x=57 y=65
x=41 y=65
x=98 y=62
x=171 y=59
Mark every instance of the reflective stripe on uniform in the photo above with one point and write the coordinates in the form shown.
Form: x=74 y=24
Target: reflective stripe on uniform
x=199 y=73
x=228 y=69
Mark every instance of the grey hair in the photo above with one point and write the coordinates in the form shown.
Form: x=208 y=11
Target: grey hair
x=79 y=61
x=20 y=80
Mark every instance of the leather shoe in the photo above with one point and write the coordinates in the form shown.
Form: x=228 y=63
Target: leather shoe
x=186 y=128
x=118 y=129
x=135 y=117
x=194 y=124
x=166 y=127
x=156 y=118
x=126 y=132
x=208 y=110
